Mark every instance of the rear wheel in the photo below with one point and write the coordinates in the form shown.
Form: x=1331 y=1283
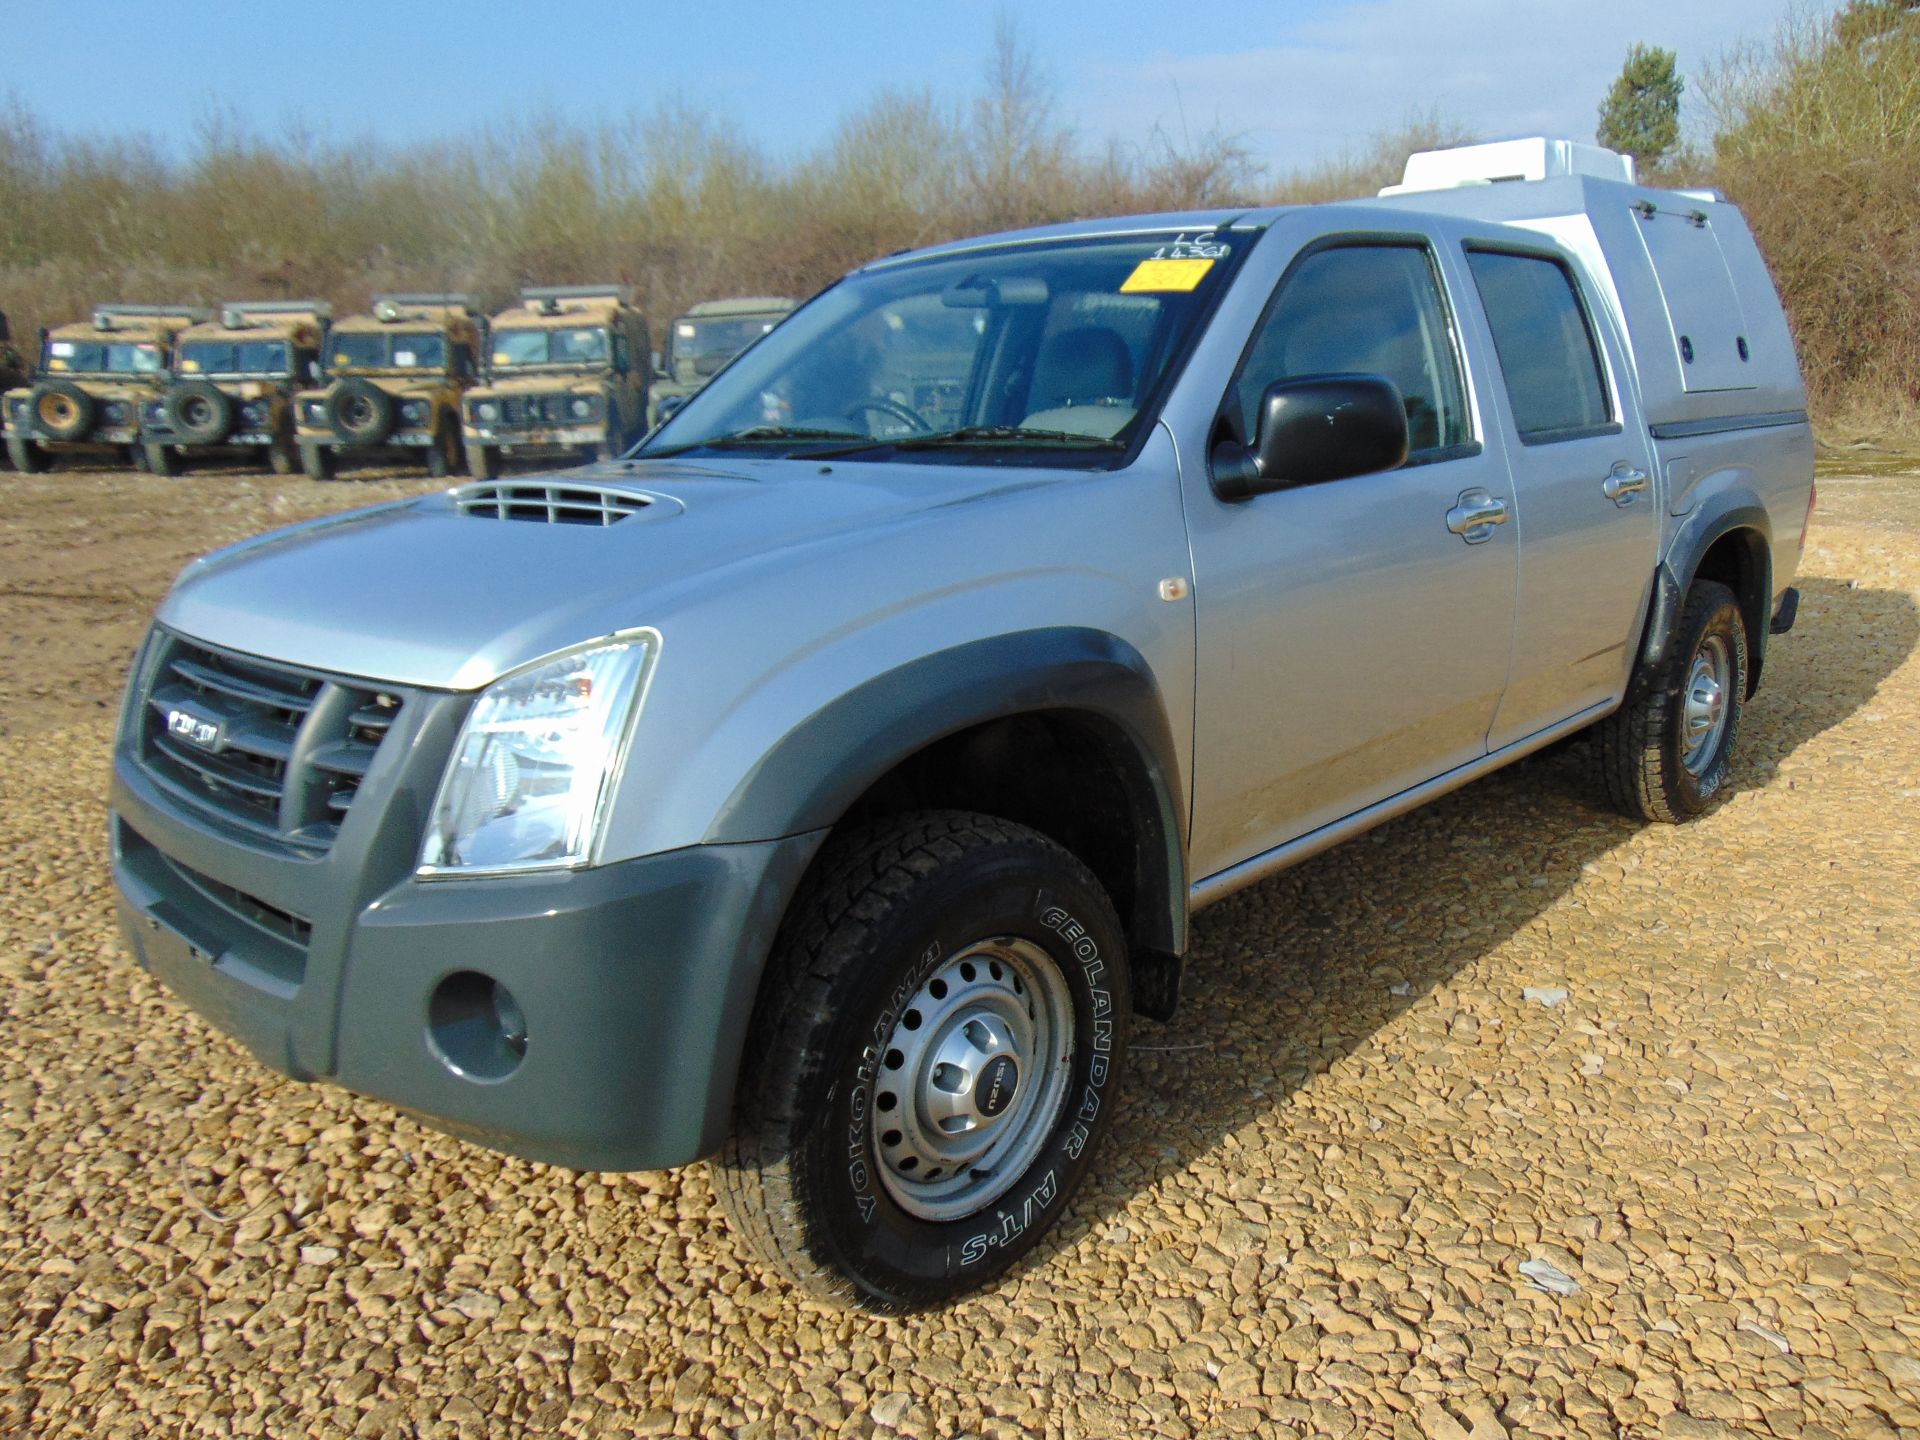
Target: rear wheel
x=933 y=1060
x=316 y=460
x=279 y=456
x=483 y=461
x=1666 y=754
x=159 y=459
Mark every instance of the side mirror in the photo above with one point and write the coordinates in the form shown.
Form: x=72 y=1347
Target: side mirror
x=313 y=372
x=1314 y=429
x=659 y=370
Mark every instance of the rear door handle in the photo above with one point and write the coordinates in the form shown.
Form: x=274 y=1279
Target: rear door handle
x=1623 y=484
x=1475 y=515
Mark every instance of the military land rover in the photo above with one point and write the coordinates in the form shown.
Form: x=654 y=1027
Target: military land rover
x=566 y=371
x=705 y=339
x=234 y=379
x=92 y=383
x=824 y=797
x=394 y=379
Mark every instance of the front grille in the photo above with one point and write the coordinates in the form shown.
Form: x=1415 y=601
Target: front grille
x=262 y=943
x=278 y=751
x=555 y=504
x=529 y=409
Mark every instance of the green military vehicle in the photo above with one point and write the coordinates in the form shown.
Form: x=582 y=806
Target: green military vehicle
x=93 y=380
x=394 y=379
x=233 y=386
x=705 y=339
x=567 y=370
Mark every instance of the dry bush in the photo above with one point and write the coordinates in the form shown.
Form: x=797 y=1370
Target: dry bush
x=1817 y=138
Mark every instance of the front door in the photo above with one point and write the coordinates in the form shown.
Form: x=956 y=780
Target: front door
x=1353 y=636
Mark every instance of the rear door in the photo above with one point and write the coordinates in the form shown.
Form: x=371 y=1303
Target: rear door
x=1582 y=479
x=1353 y=636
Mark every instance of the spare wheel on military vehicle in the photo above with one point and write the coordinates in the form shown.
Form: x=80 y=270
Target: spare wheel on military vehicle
x=199 y=411
x=360 y=411
x=62 y=410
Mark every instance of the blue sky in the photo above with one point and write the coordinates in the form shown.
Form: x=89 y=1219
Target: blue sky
x=1299 y=81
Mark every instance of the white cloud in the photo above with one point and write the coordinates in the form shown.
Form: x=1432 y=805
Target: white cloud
x=1327 y=83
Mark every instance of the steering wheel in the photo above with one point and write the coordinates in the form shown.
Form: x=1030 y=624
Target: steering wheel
x=910 y=418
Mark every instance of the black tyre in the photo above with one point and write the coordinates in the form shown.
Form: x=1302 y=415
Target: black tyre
x=440 y=459
x=360 y=412
x=61 y=410
x=483 y=461
x=933 y=1059
x=1665 y=754
x=199 y=412
x=159 y=460
x=614 y=445
x=279 y=456
x=27 y=457
x=316 y=459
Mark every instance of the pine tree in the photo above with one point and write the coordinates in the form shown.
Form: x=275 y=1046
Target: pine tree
x=1641 y=114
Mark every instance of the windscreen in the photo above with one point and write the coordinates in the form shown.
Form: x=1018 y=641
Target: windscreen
x=388 y=350
x=1052 y=353
x=586 y=345
x=102 y=357
x=228 y=357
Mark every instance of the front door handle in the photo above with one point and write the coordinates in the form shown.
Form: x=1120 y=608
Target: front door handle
x=1623 y=484
x=1475 y=515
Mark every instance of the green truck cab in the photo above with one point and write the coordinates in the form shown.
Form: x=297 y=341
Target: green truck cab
x=703 y=340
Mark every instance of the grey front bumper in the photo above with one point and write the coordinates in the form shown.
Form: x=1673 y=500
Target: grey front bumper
x=635 y=980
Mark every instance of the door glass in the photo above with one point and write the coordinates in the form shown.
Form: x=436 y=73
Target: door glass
x=1546 y=348
x=1366 y=310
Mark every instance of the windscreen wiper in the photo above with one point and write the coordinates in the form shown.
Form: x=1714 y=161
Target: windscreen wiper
x=755 y=434
x=997 y=434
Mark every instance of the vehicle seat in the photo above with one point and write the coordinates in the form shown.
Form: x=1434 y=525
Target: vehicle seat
x=1082 y=383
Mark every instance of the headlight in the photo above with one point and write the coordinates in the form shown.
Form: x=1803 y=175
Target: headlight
x=536 y=759
x=486 y=410
x=413 y=412
x=156 y=412
x=581 y=407
x=254 y=414
x=316 y=412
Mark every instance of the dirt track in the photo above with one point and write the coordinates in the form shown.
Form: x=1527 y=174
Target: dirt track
x=1325 y=1178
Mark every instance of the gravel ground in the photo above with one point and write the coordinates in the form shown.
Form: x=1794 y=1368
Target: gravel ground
x=1509 y=1118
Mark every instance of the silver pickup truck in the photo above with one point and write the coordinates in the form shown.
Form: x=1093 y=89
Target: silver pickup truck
x=823 y=786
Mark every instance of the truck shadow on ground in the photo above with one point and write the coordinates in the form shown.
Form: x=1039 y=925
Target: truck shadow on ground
x=1291 y=976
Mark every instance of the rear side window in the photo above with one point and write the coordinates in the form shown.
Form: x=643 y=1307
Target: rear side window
x=1371 y=309
x=1545 y=343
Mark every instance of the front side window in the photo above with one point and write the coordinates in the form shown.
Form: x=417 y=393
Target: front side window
x=1052 y=353
x=1546 y=347
x=99 y=357
x=228 y=357
x=385 y=350
x=1363 y=310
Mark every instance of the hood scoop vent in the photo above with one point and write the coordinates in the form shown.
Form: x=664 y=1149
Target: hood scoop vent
x=550 y=503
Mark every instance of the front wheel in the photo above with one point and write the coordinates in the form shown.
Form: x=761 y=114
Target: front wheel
x=483 y=461
x=440 y=459
x=159 y=460
x=1666 y=753
x=934 y=1057
x=279 y=456
x=27 y=457
x=317 y=460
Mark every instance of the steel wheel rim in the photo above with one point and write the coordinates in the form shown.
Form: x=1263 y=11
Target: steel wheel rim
x=1704 y=703
x=973 y=1077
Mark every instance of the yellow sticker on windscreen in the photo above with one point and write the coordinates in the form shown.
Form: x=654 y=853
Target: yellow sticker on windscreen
x=189 y=366
x=1163 y=275
x=502 y=357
